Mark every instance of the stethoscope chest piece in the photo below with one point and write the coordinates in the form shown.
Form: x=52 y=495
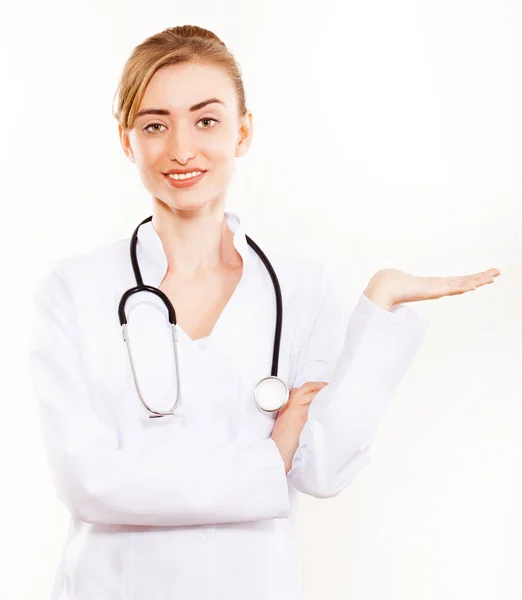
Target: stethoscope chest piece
x=271 y=394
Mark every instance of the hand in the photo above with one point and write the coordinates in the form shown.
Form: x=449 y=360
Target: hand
x=291 y=419
x=390 y=286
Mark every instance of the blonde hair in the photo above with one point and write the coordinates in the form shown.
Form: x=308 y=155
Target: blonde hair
x=173 y=46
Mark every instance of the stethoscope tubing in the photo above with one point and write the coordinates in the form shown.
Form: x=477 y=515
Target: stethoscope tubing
x=141 y=287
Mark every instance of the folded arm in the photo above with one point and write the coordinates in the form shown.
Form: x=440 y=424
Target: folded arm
x=163 y=480
x=363 y=355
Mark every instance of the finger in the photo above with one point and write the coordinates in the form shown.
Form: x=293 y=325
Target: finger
x=297 y=394
x=303 y=398
x=309 y=385
x=485 y=276
x=451 y=286
x=312 y=385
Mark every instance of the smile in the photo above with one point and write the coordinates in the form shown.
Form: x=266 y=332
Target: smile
x=184 y=180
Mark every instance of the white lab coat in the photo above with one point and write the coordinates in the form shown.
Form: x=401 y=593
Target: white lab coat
x=198 y=507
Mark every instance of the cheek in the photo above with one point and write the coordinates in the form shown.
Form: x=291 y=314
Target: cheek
x=151 y=152
x=150 y=158
x=222 y=161
x=222 y=156
x=217 y=148
x=220 y=145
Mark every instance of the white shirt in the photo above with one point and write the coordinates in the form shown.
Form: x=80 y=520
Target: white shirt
x=199 y=507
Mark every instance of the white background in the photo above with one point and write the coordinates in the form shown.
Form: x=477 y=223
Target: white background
x=386 y=134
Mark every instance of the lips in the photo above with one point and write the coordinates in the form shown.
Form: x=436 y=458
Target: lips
x=182 y=183
x=183 y=171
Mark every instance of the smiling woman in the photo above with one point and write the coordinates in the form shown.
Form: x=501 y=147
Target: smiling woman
x=181 y=99
x=202 y=503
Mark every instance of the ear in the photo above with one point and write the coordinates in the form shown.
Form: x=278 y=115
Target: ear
x=245 y=135
x=125 y=143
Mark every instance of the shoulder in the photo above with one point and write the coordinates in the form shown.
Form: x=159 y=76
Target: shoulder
x=86 y=267
x=309 y=284
x=294 y=272
x=311 y=273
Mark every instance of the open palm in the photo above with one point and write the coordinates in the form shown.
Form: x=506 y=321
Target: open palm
x=403 y=287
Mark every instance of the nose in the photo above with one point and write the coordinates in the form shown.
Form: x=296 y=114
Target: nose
x=181 y=145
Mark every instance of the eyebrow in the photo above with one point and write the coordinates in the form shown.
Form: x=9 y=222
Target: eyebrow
x=163 y=111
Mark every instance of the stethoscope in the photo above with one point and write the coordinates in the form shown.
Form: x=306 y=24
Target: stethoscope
x=270 y=394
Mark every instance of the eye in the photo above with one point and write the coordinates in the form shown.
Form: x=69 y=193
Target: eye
x=208 y=119
x=152 y=125
x=156 y=131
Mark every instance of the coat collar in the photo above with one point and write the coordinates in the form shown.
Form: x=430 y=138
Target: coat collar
x=150 y=249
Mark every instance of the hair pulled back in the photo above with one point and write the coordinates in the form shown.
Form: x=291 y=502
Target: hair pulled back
x=173 y=46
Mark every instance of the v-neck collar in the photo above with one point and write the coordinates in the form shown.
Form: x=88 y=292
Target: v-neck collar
x=153 y=265
x=150 y=248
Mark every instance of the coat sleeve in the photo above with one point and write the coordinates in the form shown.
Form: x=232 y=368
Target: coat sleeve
x=162 y=480
x=363 y=354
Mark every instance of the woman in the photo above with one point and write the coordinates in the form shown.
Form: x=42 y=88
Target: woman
x=204 y=504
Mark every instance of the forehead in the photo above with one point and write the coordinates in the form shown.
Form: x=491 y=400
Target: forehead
x=177 y=87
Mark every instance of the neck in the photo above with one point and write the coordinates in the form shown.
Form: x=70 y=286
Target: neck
x=196 y=242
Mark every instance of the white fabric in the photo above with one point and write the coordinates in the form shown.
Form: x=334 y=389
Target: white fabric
x=198 y=507
x=201 y=342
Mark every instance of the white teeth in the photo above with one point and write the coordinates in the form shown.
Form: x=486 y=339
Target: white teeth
x=184 y=176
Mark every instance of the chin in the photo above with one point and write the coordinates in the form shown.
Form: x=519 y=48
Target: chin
x=182 y=204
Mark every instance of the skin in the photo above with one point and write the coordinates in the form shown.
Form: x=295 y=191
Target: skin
x=291 y=419
x=204 y=266
x=190 y=221
x=202 y=259
x=390 y=286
